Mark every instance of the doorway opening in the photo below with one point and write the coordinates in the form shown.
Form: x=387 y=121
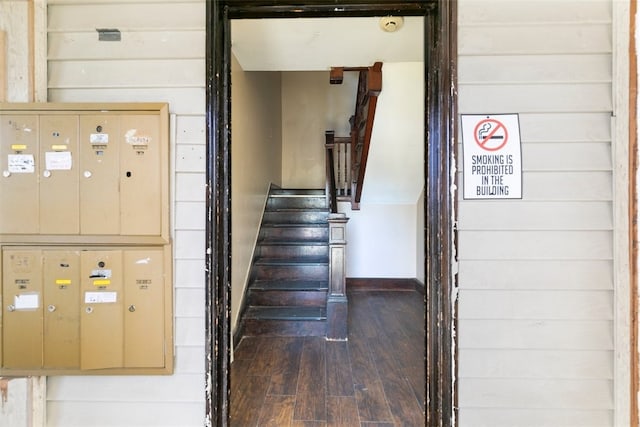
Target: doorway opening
x=439 y=105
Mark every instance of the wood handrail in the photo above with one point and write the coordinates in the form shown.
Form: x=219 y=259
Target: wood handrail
x=369 y=87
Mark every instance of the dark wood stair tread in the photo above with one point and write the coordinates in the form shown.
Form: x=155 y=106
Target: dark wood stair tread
x=290 y=285
x=303 y=260
x=297 y=192
x=287 y=313
x=301 y=210
x=287 y=294
x=296 y=225
x=275 y=242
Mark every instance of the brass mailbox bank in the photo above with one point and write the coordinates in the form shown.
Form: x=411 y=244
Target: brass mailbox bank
x=86 y=263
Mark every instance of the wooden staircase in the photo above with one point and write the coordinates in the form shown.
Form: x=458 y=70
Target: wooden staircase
x=289 y=279
x=347 y=156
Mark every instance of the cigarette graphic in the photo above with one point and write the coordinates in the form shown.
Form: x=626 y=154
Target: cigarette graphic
x=482 y=133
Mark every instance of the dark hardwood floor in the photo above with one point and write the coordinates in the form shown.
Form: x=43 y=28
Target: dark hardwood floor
x=376 y=378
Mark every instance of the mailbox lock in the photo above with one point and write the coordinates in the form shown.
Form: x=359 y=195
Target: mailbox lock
x=98 y=128
x=87 y=174
x=51 y=308
x=89 y=310
x=11 y=308
x=132 y=308
x=46 y=173
x=6 y=174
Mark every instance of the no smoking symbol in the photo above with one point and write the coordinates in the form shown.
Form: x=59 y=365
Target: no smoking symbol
x=490 y=134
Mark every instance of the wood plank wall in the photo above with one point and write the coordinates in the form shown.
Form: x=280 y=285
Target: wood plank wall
x=3 y=67
x=536 y=275
x=14 y=22
x=160 y=58
x=536 y=279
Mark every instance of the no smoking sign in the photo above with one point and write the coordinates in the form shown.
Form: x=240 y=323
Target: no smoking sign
x=491 y=135
x=492 y=156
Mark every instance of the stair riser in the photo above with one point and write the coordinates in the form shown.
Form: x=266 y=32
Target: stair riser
x=294 y=233
x=284 y=328
x=288 y=251
x=286 y=217
x=297 y=191
x=288 y=298
x=291 y=272
x=274 y=203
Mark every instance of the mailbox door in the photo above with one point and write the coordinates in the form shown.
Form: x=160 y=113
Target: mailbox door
x=101 y=321
x=144 y=309
x=61 y=309
x=99 y=174
x=18 y=174
x=59 y=198
x=140 y=175
x=22 y=308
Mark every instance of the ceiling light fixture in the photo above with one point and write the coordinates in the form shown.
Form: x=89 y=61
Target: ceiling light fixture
x=390 y=24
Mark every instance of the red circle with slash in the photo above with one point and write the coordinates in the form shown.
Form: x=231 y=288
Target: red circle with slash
x=490 y=134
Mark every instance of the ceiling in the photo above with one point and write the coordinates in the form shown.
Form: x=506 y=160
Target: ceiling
x=316 y=44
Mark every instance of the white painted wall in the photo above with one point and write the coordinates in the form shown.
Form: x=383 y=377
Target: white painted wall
x=395 y=168
x=311 y=106
x=536 y=276
x=386 y=234
x=381 y=240
x=420 y=247
x=256 y=161
x=383 y=233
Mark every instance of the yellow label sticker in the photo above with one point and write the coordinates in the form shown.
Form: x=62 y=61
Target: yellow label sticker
x=102 y=282
x=58 y=147
x=18 y=147
x=63 y=281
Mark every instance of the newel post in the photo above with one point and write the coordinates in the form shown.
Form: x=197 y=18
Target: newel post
x=337 y=296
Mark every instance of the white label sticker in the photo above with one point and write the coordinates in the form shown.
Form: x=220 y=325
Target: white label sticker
x=102 y=273
x=58 y=160
x=99 y=138
x=100 y=297
x=132 y=137
x=27 y=301
x=21 y=163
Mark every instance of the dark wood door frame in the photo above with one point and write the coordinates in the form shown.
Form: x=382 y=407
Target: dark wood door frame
x=440 y=136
